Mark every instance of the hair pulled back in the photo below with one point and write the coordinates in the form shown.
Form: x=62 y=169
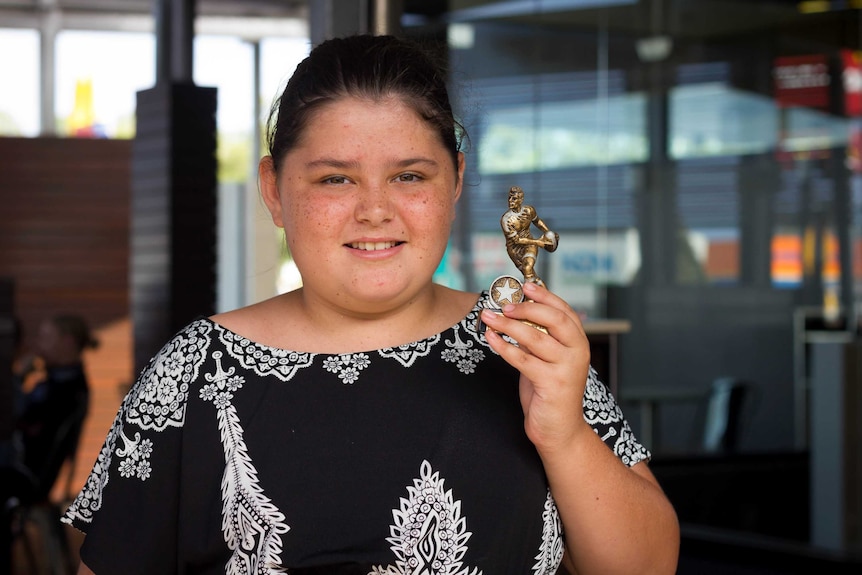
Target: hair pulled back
x=362 y=66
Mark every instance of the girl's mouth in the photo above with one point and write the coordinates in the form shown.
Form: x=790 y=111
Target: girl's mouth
x=373 y=246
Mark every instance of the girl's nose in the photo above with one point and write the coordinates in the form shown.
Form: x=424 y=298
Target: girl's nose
x=374 y=205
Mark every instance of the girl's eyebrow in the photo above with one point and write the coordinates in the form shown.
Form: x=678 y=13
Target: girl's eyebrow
x=352 y=164
x=407 y=162
x=332 y=163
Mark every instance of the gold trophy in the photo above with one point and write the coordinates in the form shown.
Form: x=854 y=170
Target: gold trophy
x=523 y=249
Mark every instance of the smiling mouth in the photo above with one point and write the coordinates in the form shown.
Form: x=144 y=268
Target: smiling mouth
x=373 y=246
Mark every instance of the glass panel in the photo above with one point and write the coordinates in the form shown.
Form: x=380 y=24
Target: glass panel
x=708 y=208
x=97 y=77
x=19 y=98
x=558 y=135
x=278 y=59
x=566 y=128
x=227 y=63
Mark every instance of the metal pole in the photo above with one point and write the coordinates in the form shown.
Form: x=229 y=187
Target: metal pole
x=387 y=16
x=162 y=21
x=182 y=40
x=50 y=25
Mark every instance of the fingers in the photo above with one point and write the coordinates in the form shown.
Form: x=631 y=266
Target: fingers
x=548 y=310
x=565 y=333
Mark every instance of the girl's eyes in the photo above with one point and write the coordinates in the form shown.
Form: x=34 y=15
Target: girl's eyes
x=408 y=178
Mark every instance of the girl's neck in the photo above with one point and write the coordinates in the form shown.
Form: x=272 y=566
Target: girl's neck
x=296 y=322
x=337 y=330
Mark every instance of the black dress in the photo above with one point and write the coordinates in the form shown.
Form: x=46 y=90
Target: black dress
x=229 y=456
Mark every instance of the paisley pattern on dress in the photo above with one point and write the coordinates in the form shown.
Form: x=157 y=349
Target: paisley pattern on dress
x=551 y=552
x=252 y=525
x=428 y=535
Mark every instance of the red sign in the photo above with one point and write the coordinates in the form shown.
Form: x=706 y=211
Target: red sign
x=852 y=77
x=801 y=81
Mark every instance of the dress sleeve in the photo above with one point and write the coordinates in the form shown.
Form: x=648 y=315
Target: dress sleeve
x=129 y=505
x=606 y=418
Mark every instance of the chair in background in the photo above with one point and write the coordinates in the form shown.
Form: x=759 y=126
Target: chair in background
x=723 y=419
x=719 y=414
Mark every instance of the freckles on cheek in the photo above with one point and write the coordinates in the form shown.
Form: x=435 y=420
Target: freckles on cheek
x=312 y=223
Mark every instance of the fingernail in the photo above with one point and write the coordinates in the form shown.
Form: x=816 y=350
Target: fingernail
x=488 y=314
x=509 y=307
x=529 y=286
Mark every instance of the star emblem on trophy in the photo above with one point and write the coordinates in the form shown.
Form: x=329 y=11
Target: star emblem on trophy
x=506 y=289
x=523 y=249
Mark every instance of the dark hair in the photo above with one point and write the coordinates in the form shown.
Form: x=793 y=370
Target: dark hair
x=76 y=327
x=362 y=66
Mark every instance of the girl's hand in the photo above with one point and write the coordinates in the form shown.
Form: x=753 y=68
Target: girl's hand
x=554 y=366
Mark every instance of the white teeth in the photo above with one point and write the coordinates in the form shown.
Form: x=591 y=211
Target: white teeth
x=372 y=246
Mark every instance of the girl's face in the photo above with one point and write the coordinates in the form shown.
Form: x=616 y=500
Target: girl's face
x=366 y=200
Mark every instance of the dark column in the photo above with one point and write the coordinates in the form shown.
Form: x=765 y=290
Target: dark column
x=7 y=345
x=658 y=224
x=843 y=211
x=836 y=443
x=174 y=193
x=6 y=419
x=759 y=180
x=335 y=18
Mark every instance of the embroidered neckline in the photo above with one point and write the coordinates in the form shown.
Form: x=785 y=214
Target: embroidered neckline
x=345 y=356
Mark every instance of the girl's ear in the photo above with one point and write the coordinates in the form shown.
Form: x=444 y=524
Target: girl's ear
x=269 y=189
x=459 y=184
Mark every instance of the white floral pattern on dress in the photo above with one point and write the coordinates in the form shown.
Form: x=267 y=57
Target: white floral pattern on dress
x=551 y=552
x=428 y=535
x=347 y=366
x=158 y=400
x=265 y=360
x=89 y=500
x=600 y=409
x=135 y=456
x=262 y=359
x=251 y=523
x=408 y=353
x=462 y=353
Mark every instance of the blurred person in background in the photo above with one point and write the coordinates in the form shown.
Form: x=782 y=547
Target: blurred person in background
x=50 y=415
